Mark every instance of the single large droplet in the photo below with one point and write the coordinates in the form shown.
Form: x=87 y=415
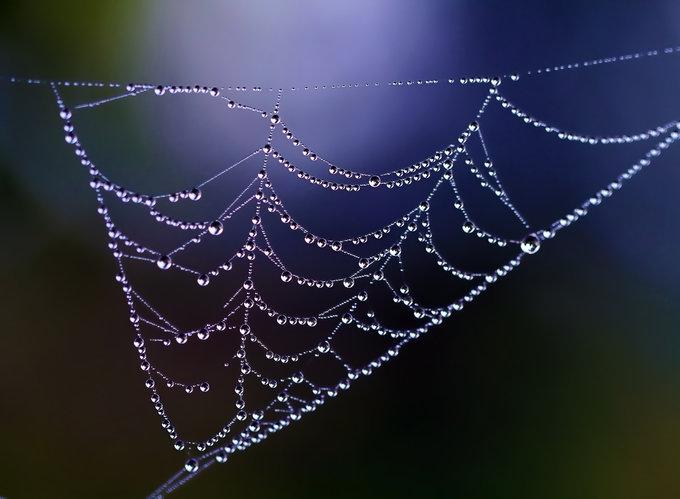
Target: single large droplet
x=216 y=228
x=530 y=244
x=191 y=465
x=221 y=456
x=374 y=181
x=164 y=262
x=195 y=194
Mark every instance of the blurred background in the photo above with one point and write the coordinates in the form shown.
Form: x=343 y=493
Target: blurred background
x=561 y=382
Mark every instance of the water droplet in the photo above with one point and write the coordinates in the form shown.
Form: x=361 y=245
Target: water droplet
x=191 y=465
x=215 y=228
x=164 y=262
x=195 y=194
x=531 y=244
x=221 y=456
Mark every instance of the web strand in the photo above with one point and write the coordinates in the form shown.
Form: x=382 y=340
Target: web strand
x=483 y=80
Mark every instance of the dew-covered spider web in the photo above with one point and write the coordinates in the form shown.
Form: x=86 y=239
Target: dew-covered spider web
x=288 y=329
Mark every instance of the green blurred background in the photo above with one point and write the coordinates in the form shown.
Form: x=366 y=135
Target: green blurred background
x=562 y=382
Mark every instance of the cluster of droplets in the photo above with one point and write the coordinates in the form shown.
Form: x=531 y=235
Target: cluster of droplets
x=584 y=139
x=604 y=60
x=177 y=89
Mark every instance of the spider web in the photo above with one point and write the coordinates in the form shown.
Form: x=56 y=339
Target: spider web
x=373 y=308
